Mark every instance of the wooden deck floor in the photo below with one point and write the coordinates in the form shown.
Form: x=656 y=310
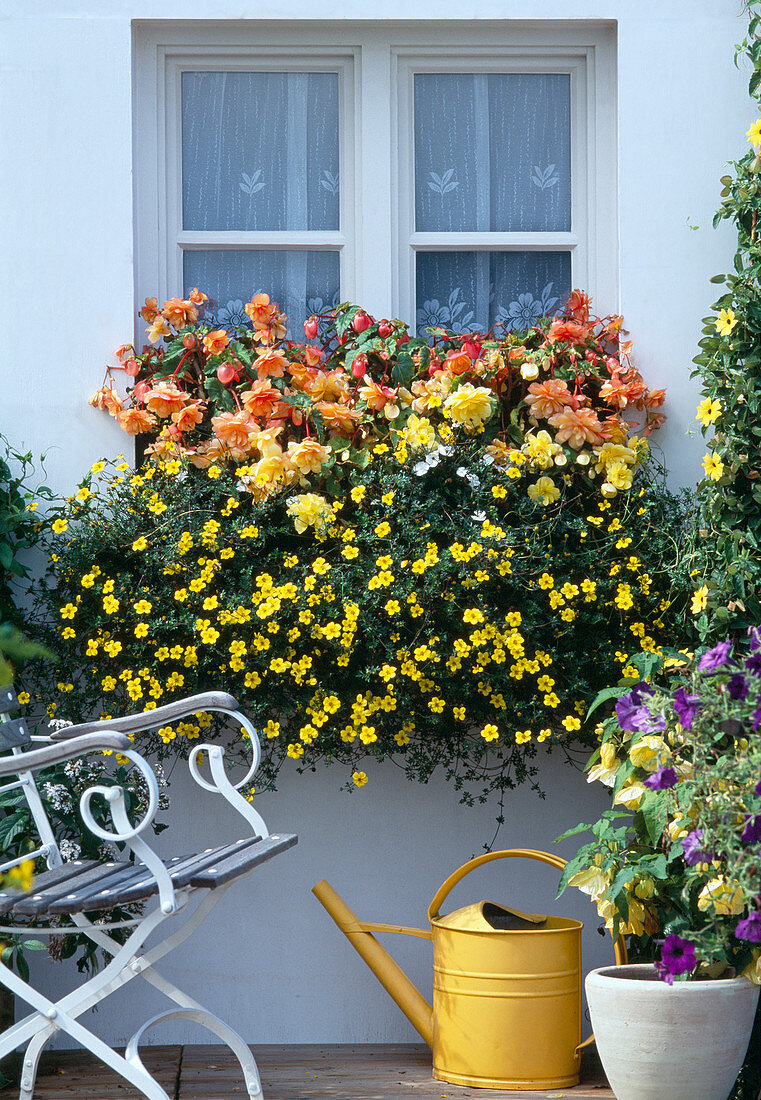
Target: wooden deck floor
x=288 y=1073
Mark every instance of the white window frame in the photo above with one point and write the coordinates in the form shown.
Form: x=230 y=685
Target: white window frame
x=376 y=61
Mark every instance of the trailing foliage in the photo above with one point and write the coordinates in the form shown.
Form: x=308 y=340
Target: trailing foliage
x=18 y=523
x=726 y=559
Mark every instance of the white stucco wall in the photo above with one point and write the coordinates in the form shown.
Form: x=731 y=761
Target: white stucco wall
x=272 y=962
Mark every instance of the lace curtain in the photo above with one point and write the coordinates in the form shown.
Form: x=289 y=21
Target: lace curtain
x=492 y=154
x=260 y=153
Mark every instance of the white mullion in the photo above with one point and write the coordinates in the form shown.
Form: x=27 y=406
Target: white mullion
x=241 y=239
x=172 y=193
x=373 y=286
x=498 y=242
x=403 y=161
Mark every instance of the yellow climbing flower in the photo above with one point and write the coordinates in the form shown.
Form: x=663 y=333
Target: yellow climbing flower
x=699 y=600
x=725 y=322
x=708 y=411
x=754 y=133
x=713 y=466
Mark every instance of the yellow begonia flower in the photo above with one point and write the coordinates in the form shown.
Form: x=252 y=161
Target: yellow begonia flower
x=725 y=322
x=469 y=405
x=713 y=466
x=753 y=970
x=708 y=411
x=725 y=896
x=544 y=491
x=310 y=510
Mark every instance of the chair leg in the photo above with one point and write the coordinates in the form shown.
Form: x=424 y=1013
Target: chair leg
x=206 y=1019
x=32 y=1062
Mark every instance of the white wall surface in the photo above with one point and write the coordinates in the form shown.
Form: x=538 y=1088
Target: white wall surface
x=271 y=961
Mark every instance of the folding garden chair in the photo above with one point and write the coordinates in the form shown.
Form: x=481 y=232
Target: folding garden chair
x=176 y=894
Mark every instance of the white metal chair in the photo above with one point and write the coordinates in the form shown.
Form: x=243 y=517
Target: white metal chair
x=183 y=889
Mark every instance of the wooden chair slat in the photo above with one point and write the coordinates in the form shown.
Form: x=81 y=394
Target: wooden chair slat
x=39 y=901
x=8 y=698
x=15 y=734
x=9 y=898
x=224 y=870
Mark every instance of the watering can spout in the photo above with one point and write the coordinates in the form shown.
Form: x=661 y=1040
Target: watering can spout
x=391 y=976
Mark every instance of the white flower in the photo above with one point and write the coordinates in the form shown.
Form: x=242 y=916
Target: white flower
x=420 y=468
x=69 y=850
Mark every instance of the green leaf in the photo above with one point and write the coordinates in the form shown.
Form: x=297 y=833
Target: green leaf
x=654 y=813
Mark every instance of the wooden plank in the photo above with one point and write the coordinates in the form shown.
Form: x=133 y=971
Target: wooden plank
x=303 y=1072
x=9 y=898
x=223 y=870
x=15 y=734
x=8 y=698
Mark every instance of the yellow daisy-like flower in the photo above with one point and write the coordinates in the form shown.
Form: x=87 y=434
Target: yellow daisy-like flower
x=725 y=322
x=392 y=607
x=358 y=493
x=708 y=411
x=383 y=529
x=213 y=472
x=713 y=466
x=60 y=525
x=699 y=600
x=571 y=722
x=140 y=544
x=754 y=133
x=490 y=732
x=359 y=779
x=350 y=552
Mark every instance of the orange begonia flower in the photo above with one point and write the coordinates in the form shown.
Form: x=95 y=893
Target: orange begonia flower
x=179 y=313
x=312 y=356
x=338 y=417
x=107 y=400
x=329 y=386
x=150 y=310
x=197 y=297
x=570 y=332
x=186 y=419
x=379 y=398
x=458 y=362
x=577 y=427
x=261 y=399
x=653 y=399
x=214 y=343
x=267 y=442
x=271 y=364
x=235 y=430
x=157 y=329
x=135 y=421
x=124 y=352
x=547 y=398
x=578 y=306
x=261 y=311
x=207 y=454
x=164 y=398
x=309 y=456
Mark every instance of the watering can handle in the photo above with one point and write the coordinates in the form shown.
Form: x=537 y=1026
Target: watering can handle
x=446 y=888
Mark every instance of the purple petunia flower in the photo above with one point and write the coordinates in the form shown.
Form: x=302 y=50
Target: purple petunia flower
x=629 y=713
x=677 y=957
x=751 y=834
x=756 y=720
x=749 y=928
x=715 y=657
x=737 y=688
x=693 y=852
x=754 y=632
x=662 y=779
x=753 y=664
x=686 y=707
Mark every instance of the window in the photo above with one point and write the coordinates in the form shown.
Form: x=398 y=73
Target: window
x=461 y=175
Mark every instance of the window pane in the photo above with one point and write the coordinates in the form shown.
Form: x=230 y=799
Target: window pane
x=492 y=152
x=301 y=283
x=260 y=151
x=476 y=290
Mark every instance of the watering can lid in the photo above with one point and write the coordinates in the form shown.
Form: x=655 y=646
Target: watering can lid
x=487 y=916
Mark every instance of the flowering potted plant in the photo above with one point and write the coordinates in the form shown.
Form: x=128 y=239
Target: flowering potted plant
x=675 y=865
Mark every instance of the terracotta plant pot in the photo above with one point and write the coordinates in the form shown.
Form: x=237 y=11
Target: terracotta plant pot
x=680 y=1041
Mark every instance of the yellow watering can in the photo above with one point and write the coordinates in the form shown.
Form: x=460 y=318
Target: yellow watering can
x=507 y=986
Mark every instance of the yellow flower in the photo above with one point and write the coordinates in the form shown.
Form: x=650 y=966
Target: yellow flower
x=140 y=544
x=68 y=611
x=713 y=466
x=571 y=722
x=383 y=529
x=310 y=510
x=725 y=322
x=142 y=607
x=23 y=698
x=605 y=771
x=359 y=779
x=60 y=525
x=699 y=600
x=630 y=794
x=544 y=491
x=392 y=607
x=469 y=406
x=490 y=732
x=592 y=881
x=358 y=493
x=213 y=472
x=141 y=630
x=754 y=133
x=350 y=552
x=708 y=411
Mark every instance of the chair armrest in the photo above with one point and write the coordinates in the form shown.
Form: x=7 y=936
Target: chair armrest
x=149 y=719
x=35 y=759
